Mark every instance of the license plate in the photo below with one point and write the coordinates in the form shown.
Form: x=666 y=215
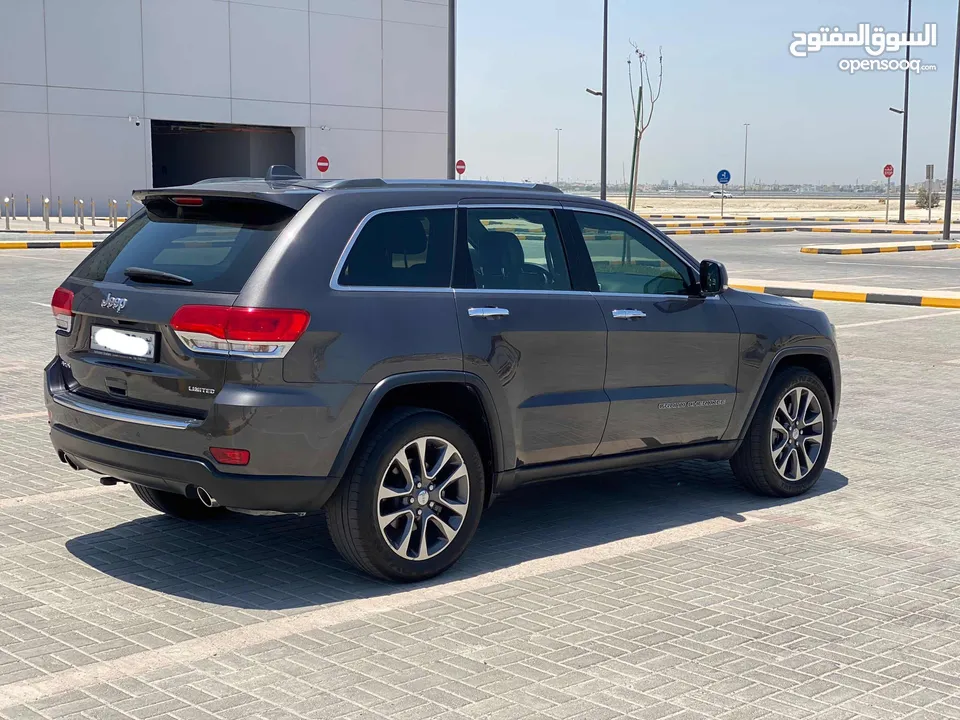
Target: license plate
x=125 y=343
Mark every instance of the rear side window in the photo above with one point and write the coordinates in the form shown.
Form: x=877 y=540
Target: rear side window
x=216 y=246
x=403 y=248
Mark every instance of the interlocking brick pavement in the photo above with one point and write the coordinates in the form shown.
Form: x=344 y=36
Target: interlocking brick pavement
x=661 y=593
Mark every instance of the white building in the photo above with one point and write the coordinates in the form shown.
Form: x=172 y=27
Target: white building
x=99 y=97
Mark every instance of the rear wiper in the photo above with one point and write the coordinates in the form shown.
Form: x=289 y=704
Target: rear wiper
x=156 y=276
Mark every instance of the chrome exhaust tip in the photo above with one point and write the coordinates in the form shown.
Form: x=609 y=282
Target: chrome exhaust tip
x=204 y=497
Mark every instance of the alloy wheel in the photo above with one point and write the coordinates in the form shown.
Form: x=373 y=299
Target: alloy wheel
x=796 y=435
x=423 y=498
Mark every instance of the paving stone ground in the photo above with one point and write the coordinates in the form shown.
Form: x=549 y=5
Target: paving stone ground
x=661 y=593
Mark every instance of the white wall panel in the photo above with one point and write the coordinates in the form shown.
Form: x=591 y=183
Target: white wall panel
x=352 y=153
x=108 y=103
x=303 y=5
x=415 y=121
x=186 y=107
x=346 y=117
x=22 y=43
x=414 y=155
x=353 y=8
x=347 y=62
x=269 y=53
x=94 y=44
x=23 y=147
x=415 y=11
x=414 y=67
x=96 y=157
x=24 y=98
x=261 y=112
x=186 y=47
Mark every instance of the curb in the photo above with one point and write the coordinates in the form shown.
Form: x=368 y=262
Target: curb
x=872 y=231
x=52 y=244
x=55 y=232
x=724 y=223
x=829 y=219
x=815 y=250
x=730 y=230
x=688 y=217
x=849 y=296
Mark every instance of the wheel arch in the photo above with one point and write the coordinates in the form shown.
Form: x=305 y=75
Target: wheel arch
x=462 y=396
x=817 y=360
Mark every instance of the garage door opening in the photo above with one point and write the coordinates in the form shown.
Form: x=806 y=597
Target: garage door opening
x=185 y=152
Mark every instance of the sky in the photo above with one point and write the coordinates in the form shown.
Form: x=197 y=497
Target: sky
x=523 y=66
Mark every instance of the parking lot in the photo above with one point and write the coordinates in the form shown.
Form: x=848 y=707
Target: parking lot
x=662 y=593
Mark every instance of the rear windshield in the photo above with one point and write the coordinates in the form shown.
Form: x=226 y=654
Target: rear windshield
x=215 y=246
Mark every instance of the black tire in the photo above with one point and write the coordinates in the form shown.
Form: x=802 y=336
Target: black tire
x=352 y=512
x=175 y=505
x=753 y=464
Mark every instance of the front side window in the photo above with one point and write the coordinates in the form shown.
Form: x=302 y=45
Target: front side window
x=403 y=248
x=626 y=259
x=514 y=249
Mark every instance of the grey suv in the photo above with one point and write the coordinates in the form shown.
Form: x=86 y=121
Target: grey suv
x=399 y=353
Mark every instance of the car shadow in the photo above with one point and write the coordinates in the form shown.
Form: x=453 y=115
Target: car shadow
x=287 y=562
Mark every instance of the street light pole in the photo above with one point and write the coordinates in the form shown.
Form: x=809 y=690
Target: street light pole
x=948 y=205
x=906 y=112
x=558 y=154
x=746 y=131
x=603 y=109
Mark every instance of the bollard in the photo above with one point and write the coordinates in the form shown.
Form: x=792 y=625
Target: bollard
x=46 y=212
x=13 y=205
x=76 y=220
x=113 y=212
x=80 y=214
x=59 y=211
x=93 y=212
x=29 y=219
x=6 y=207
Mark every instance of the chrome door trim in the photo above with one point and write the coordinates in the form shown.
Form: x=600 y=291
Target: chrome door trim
x=628 y=314
x=335 y=277
x=488 y=312
x=111 y=412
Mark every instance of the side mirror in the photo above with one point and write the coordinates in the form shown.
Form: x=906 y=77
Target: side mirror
x=713 y=278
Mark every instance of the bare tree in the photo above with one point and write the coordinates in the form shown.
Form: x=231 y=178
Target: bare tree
x=643 y=112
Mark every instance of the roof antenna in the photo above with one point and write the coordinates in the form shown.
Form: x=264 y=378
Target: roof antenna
x=282 y=172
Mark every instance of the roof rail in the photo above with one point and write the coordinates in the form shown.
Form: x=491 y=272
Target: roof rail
x=381 y=183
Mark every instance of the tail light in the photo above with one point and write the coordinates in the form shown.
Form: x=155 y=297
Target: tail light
x=239 y=331
x=62 y=306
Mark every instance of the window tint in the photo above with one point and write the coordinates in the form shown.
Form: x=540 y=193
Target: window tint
x=217 y=245
x=628 y=260
x=514 y=249
x=406 y=248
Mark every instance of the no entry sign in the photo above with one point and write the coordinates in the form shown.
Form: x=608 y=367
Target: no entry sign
x=323 y=163
x=461 y=167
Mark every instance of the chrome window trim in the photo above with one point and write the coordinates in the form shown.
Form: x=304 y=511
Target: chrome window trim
x=508 y=206
x=109 y=412
x=335 y=278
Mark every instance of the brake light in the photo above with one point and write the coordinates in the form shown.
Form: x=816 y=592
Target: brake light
x=241 y=331
x=62 y=306
x=187 y=201
x=230 y=456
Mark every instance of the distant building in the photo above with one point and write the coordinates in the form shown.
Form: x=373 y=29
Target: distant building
x=98 y=97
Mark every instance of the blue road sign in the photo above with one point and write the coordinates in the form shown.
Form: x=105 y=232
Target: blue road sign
x=723 y=177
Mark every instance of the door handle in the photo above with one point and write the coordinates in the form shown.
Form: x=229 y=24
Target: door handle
x=628 y=314
x=488 y=312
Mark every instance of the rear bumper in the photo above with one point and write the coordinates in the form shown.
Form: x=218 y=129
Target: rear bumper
x=183 y=474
